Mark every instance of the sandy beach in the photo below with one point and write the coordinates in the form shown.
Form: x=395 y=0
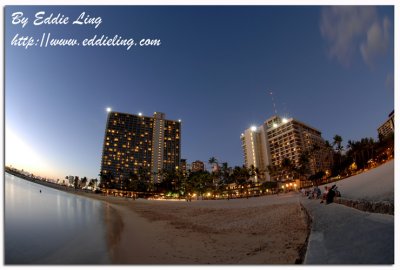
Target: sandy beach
x=263 y=230
x=272 y=229
x=259 y=230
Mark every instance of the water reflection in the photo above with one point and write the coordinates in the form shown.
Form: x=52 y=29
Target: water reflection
x=51 y=226
x=114 y=225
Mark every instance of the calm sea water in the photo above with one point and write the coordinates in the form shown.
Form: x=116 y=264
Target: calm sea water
x=51 y=227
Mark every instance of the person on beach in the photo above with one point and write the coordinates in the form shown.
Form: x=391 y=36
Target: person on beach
x=331 y=194
x=311 y=193
x=325 y=194
x=317 y=194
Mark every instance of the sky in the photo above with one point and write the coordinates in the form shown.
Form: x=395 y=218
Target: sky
x=331 y=67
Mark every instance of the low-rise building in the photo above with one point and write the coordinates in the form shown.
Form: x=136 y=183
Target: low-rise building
x=197 y=166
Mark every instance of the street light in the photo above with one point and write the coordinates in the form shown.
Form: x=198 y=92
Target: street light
x=108 y=109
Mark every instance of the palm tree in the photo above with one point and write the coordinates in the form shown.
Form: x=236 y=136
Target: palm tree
x=337 y=140
x=167 y=182
x=313 y=154
x=213 y=161
x=91 y=183
x=143 y=175
x=353 y=150
x=76 y=182
x=200 y=181
x=303 y=169
x=225 y=172
x=240 y=176
x=258 y=173
x=327 y=143
x=287 y=168
x=180 y=181
x=361 y=151
x=273 y=171
x=215 y=174
x=385 y=146
x=252 y=172
x=83 y=181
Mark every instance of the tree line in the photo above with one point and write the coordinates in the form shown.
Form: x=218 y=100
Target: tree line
x=182 y=183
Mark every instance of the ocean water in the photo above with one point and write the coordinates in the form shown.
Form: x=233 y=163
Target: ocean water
x=51 y=226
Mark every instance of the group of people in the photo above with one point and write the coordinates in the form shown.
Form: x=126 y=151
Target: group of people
x=327 y=196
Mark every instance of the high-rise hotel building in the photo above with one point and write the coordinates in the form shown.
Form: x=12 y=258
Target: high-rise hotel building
x=255 y=148
x=388 y=127
x=134 y=144
x=280 y=138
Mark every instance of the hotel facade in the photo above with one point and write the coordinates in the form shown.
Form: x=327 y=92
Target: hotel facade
x=388 y=127
x=279 y=138
x=137 y=144
x=198 y=166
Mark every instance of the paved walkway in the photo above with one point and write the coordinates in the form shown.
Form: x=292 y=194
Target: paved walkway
x=344 y=235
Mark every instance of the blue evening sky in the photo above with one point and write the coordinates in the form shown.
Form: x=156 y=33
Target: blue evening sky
x=329 y=67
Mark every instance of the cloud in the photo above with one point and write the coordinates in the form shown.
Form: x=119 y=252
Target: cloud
x=352 y=30
x=377 y=42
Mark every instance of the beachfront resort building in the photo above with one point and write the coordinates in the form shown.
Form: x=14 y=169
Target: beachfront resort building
x=388 y=127
x=255 y=148
x=279 y=138
x=140 y=145
x=197 y=166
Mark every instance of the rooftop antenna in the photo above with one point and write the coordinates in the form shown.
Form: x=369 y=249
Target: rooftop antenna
x=286 y=112
x=273 y=102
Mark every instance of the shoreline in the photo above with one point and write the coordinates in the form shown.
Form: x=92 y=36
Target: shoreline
x=260 y=230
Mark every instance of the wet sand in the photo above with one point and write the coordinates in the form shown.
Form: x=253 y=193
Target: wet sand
x=264 y=230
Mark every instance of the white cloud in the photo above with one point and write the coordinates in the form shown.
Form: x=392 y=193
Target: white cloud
x=377 y=41
x=352 y=30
